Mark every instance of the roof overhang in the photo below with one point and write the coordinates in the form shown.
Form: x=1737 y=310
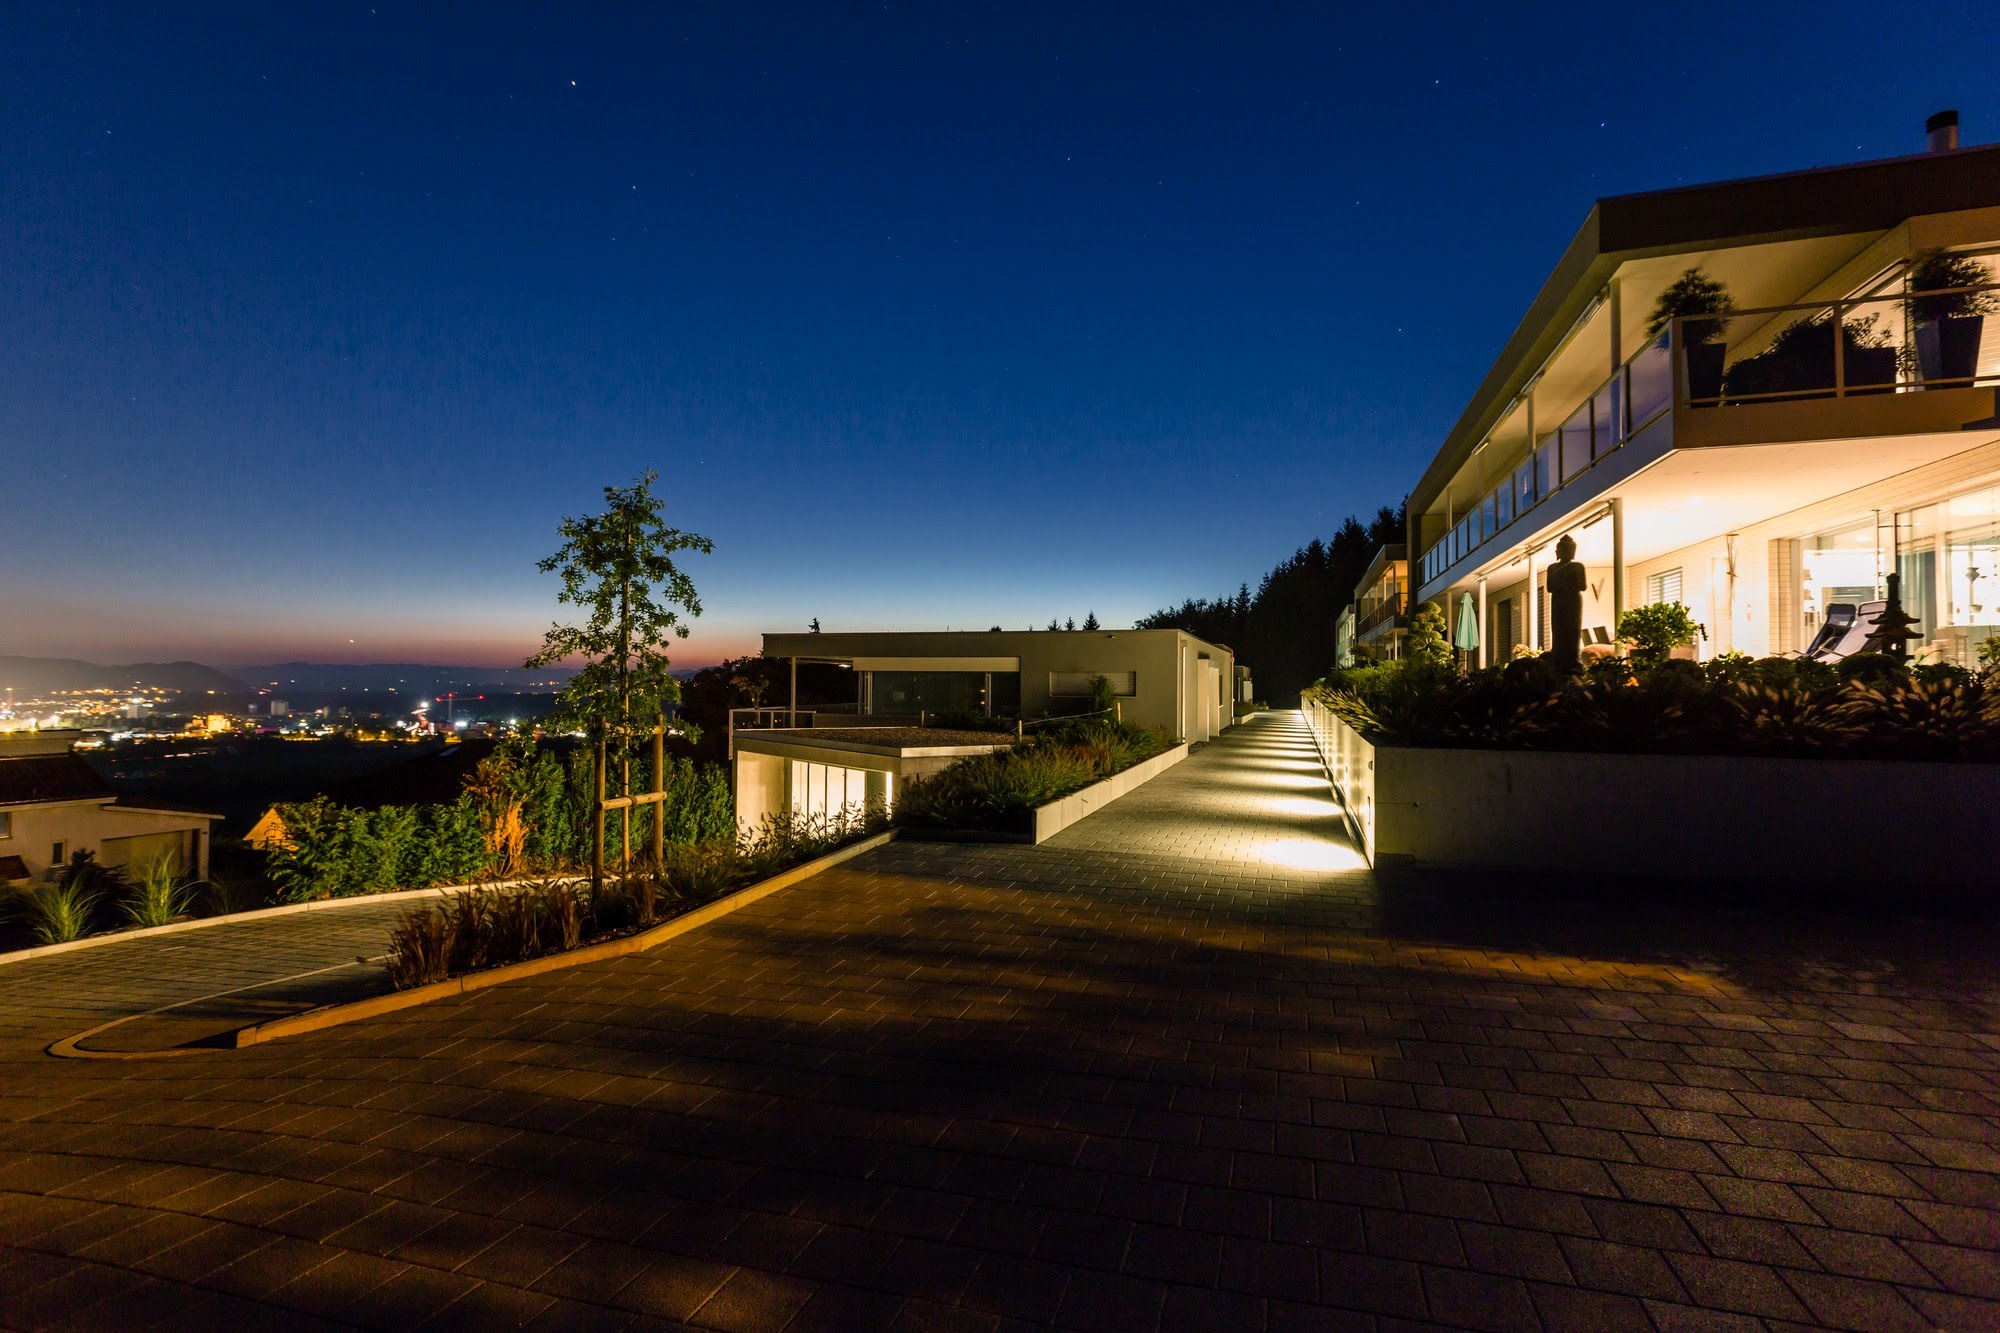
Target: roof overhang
x=1825 y=201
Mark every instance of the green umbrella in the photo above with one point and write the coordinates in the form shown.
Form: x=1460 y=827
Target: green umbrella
x=1467 y=636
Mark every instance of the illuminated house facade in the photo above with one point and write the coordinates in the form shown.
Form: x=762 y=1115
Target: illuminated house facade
x=1758 y=468
x=1381 y=622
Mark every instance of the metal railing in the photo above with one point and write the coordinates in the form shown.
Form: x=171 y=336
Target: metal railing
x=1391 y=608
x=1901 y=343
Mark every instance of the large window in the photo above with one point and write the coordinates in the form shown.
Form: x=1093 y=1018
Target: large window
x=1839 y=568
x=1076 y=684
x=1949 y=556
x=908 y=693
x=821 y=790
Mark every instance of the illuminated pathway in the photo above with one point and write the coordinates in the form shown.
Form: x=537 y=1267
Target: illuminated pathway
x=1183 y=1066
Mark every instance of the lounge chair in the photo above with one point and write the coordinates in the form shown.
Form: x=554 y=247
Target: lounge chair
x=1853 y=637
x=1839 y=619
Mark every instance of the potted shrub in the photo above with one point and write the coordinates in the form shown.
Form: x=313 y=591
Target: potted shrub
x=1655 y=631
x=1948 y=323
x=1704 y=307
x=1799 y=361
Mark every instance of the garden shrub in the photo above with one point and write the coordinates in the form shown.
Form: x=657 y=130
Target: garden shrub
x=525 y=810
x=160 y=895
x=492 y=927
x=336 y=851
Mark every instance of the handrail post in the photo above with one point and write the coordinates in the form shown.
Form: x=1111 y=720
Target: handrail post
x=1677 y=364
x=1839 y=350
x=659 y=839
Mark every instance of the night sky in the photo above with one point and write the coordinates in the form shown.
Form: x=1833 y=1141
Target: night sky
x=319 y=317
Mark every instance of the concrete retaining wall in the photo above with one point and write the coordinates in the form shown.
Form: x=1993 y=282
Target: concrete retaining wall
x=1927 y=828
x=1056 y=816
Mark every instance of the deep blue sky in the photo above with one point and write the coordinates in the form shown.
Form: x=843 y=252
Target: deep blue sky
x=319 y=317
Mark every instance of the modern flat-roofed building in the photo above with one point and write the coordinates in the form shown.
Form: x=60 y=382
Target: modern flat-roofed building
x=1161 y=677
x=1769 y=466
x=820 y=761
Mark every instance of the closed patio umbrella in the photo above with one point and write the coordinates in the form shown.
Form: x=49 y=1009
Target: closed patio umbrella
x=1467 y=635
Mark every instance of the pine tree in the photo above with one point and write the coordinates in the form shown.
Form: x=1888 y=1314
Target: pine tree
x=1428 y=646
x=1090 y=621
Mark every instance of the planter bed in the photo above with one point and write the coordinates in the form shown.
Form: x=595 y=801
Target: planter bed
x=1043 y=822
x=596 y=951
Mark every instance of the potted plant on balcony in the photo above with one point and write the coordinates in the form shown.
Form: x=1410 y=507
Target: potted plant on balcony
x=1948 y=323
x=1704 y=306
x=1799 y=363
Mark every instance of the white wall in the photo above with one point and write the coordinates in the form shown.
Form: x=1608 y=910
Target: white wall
x=86 y=826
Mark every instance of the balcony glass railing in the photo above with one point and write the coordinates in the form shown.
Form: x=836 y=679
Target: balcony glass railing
x=1839 y=349
x=1625 y=404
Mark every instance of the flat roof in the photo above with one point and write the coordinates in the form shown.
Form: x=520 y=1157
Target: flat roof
x=1393 y=553
x=1854 y=197
x=844 y=645
x=886 y=741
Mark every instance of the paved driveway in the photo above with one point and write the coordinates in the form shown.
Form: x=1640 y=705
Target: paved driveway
x=1183 y=1066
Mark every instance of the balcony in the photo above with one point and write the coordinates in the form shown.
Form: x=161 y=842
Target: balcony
x=1387 y=612
x=1857 y=367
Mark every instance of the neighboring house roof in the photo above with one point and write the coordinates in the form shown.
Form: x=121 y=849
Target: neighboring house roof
x=268 y=831
x=147 y=803
x=43 y=779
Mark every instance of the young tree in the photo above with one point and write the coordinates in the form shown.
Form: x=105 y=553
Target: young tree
x=1090 y=621
x=619 y=566
x=1070 y=623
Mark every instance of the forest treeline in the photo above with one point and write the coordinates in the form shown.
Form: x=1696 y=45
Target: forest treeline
x=1284 y=631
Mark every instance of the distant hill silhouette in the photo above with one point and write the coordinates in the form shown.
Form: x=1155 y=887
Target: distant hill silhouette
x=30 y=676
x=35 y=675
x=415 y=676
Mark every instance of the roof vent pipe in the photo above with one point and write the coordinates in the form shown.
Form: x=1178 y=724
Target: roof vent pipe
x=1941 y=132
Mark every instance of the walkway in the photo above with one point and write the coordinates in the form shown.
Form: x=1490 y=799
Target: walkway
x=1183 y=1066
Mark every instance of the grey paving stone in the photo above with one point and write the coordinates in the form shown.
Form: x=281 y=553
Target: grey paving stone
x=1186 y=1065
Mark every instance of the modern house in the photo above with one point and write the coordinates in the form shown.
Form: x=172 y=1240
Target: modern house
x=820 y=761
x=1767 y=465
x=1381 y=616
x=1343 y=637
x=53 y=805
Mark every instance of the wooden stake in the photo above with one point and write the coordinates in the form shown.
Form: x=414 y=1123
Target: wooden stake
x=659 y=792
x=597 y=823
